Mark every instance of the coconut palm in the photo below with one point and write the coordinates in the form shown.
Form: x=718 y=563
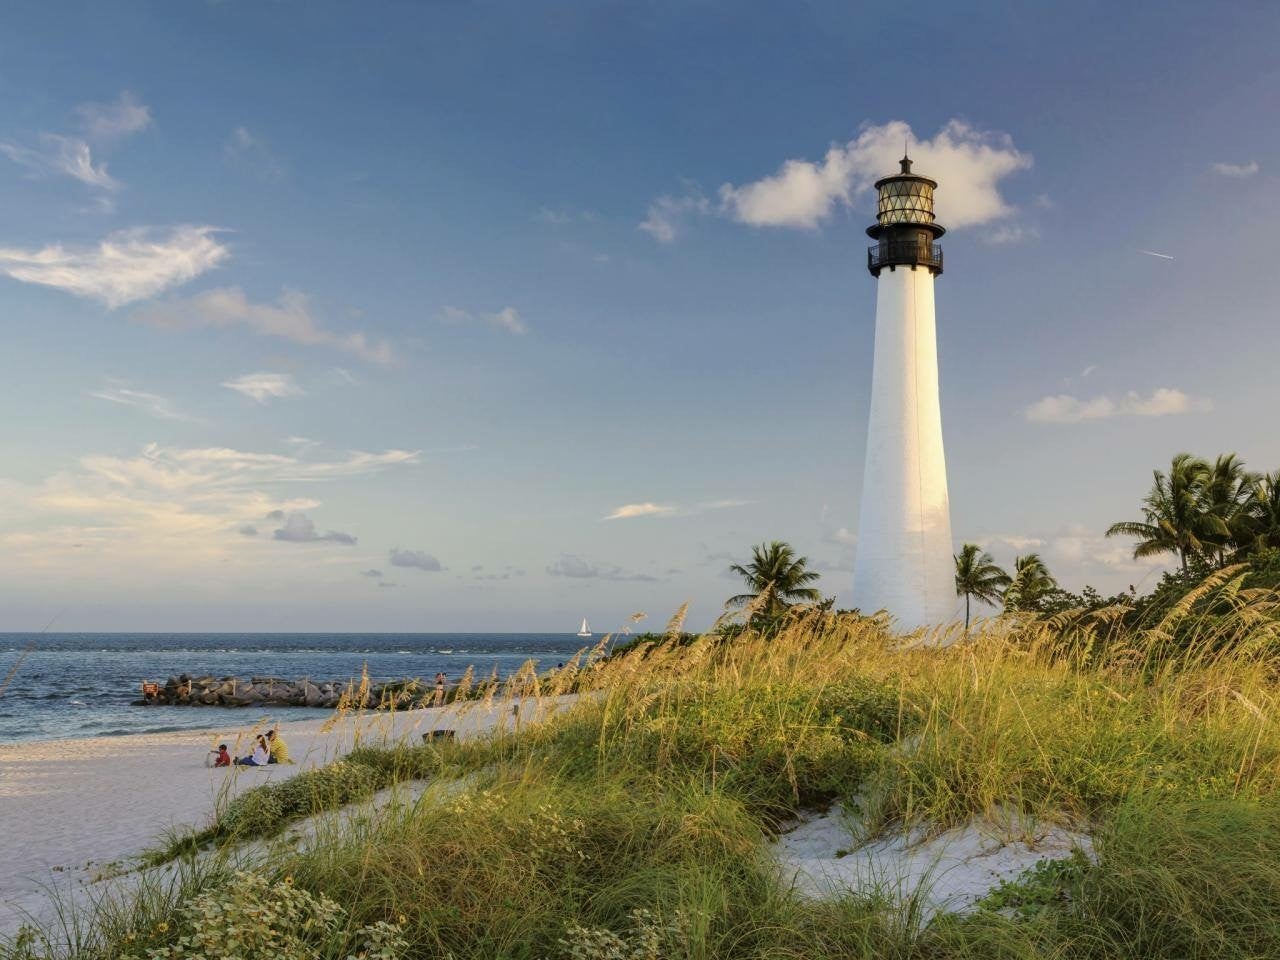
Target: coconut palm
x=978 y=577
x=1031 y=580
x=776 y=579
x=1261 y=528
x=1174 y=513
x=1226 y=501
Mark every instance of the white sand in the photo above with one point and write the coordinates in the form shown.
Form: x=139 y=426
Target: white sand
x=952 y=871
x=72 y=811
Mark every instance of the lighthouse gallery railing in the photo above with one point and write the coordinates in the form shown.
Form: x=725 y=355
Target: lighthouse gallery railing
x=894 y=252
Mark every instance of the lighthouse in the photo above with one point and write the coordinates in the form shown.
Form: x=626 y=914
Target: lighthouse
x=904 y=562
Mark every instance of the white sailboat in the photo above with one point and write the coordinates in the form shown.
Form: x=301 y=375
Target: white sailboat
x=584 y=630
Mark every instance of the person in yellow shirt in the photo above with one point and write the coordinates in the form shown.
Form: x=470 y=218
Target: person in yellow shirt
x=279 y=749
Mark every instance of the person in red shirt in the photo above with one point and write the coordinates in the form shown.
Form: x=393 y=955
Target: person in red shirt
x=223 y=758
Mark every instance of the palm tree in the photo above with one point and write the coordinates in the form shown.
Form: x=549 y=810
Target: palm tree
x=1031 y=580
x=1262 y=513
x=978 y=576
x=1226 y=501
x=776 y=578
x=1174 y=513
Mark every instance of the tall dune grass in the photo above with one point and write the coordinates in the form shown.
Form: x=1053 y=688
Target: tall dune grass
x=635 y=823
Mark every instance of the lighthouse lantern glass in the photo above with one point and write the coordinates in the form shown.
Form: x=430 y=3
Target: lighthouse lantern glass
x=905 y=201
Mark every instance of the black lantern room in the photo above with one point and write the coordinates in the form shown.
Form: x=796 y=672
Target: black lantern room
x=905 y=231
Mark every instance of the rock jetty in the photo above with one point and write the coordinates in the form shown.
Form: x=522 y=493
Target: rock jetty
x=191 y=691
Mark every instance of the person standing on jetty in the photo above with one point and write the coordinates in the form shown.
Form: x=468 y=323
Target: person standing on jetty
x=277 y=749
x=439 y=700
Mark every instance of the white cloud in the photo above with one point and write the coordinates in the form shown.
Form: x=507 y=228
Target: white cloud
x=65 y=156
x=299 y=528
x=1089 y=371
x=629 y=510
x=128 y=265
x=1164 y=401
x=112 y=121
x=264 y=387
x=666 y=216
x=508 y=318
x=290 y=318
x=150 y=403
x=417 y=559
x=1236 y=170
x=968 y=164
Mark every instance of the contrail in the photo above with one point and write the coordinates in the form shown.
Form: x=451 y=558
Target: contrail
x=1152 y=253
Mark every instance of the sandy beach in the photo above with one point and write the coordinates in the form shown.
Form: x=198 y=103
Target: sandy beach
x=72 y=809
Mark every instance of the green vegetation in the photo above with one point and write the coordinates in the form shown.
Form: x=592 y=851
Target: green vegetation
x=1209 y=515
x=978 y=578
x=776 y=579
x=635 y=823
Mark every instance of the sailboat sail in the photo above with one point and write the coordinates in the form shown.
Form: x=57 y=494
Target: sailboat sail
x=584 y=630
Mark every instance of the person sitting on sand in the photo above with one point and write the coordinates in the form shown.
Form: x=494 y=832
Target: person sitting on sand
x=260 y=757
x=277 y=748
x=221 y=758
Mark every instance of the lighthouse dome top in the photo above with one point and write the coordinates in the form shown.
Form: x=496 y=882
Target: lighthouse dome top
x=905 y=197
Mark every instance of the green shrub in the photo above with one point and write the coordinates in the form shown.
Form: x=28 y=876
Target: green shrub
x=251 y=918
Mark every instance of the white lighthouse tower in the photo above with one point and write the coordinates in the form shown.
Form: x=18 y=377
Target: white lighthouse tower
x=904 y=562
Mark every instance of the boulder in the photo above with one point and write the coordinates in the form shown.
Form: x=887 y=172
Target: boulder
x=311 y=694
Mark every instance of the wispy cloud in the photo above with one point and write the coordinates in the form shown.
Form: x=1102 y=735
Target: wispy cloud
x=666 y=216
x=1066 y=408
x=128 y=265
x=559 y=217
x=120 y=118
x=630 y=510
x=1010 y=233
x=249 y=151
x=149 y=403
x=804 y=193
x=299 y=528
x=264 y=387
x=508 y=318
x=417 y=559
x=61 y=156
x=1235 y=170
x=1158 y=256
x=289 y=318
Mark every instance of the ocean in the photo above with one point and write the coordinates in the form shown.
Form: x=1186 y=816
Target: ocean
x=82 y=684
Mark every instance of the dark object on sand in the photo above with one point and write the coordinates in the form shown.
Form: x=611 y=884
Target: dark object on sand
x=432 y=735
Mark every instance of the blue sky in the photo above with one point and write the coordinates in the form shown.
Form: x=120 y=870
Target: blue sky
x=365 y=317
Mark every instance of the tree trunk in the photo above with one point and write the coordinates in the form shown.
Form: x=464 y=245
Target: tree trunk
x=966 y=611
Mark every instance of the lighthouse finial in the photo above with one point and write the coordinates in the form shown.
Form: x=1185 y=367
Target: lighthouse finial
x=906 y=160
